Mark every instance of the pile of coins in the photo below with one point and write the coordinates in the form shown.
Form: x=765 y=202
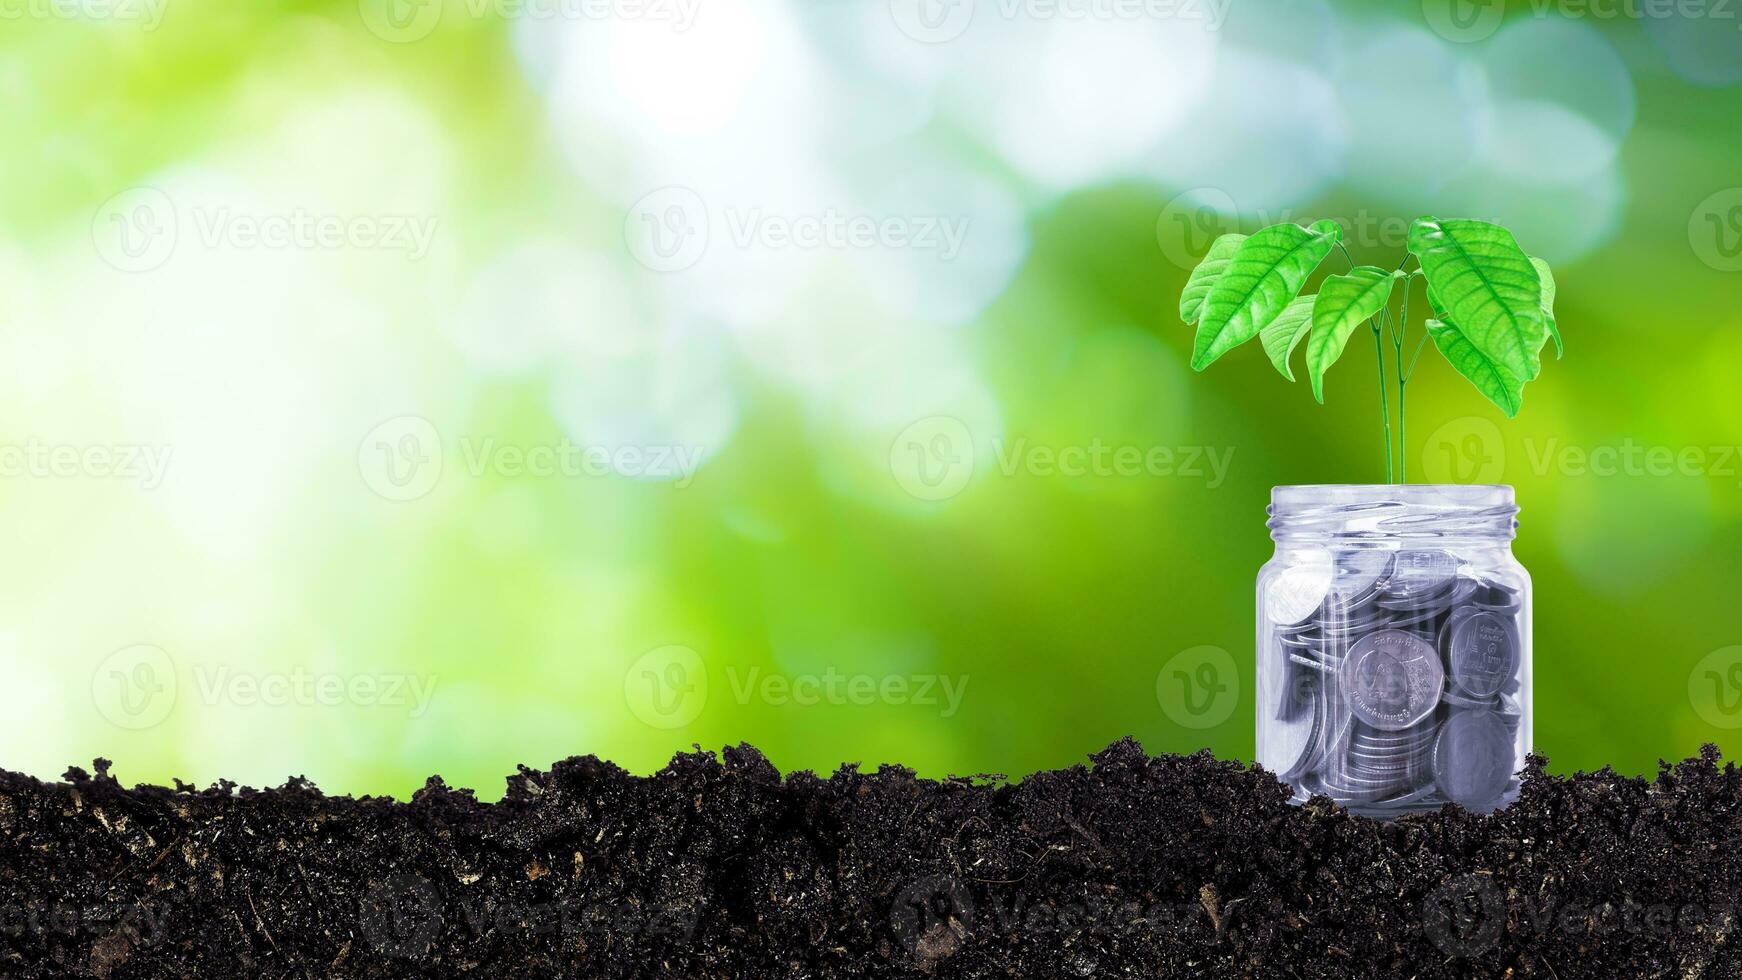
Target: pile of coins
x=1399 y=676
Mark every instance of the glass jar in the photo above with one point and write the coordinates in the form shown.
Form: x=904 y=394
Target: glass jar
x=1394 y=647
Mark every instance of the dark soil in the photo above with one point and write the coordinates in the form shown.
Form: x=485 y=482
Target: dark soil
x=718 y=867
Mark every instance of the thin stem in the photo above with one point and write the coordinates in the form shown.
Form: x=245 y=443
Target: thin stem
x=1402 y=382
x=1384 y=403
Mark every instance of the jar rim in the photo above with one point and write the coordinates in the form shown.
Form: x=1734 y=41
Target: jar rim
x=1387 y=511
x=1439 y=495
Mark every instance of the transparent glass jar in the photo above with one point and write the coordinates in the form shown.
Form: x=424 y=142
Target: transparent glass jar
x=1394 y=647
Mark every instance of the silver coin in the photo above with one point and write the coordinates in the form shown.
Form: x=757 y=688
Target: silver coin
x=1416 y=795
x=1420 y=573
x=1481 y=650
x=1457 y=699
x=1359 y=576
x=1293 y=743
x=1300 y=684
x=1391 y=679
x=1293 y=594
x=1472 y=759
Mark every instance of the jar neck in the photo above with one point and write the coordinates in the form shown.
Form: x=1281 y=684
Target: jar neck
x=1377 y=514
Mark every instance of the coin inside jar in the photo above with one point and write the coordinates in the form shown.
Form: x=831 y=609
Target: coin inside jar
x=1472 y=759
x=1296 y=592
x=1391 y=679
x=1481 y=649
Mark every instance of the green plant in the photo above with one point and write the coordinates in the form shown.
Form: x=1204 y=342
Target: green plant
x=1490 y=308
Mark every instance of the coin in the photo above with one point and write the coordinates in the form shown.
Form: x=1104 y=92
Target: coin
x=1422 y=573
x=1359 y=576
x=1391 y=679
x=1293 y=594
x=1452 y=697
x=1481 y=649
x=1294 y=743
x=1472 y=758
x=1416 y=795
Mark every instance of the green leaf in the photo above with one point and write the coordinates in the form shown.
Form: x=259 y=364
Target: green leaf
x=1215 y=262
x=1489 y=287
x=1503 y=387
x=1264 y=276
x=1343 y=302
x=1547 y=278
x=1280 y=335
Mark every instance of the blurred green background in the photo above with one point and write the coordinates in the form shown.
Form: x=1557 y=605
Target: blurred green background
x=424 y=386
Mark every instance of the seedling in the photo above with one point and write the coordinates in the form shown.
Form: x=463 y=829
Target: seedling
x=1490 y=308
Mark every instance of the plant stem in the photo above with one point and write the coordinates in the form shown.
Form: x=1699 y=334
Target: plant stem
x=1384 y=403
x=1402 y=381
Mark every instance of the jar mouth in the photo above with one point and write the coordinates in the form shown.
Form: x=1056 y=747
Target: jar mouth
x=1382 y=511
